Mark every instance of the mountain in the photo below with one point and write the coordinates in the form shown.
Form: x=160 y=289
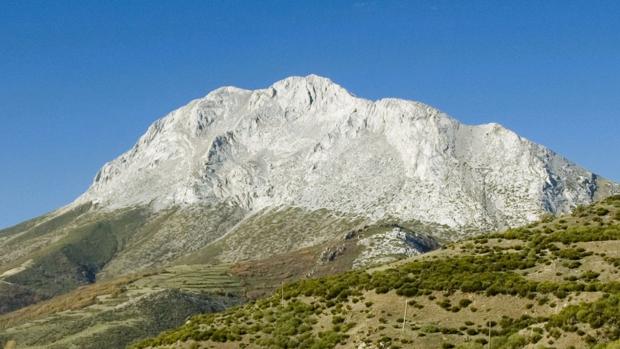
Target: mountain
x=306 y=142
x=302 y=172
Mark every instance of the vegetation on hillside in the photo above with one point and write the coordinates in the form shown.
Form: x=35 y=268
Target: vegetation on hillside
x=114 y=313
x=563 y=272
x=74 y=259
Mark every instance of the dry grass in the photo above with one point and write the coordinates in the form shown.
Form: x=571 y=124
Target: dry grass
x=79 y=298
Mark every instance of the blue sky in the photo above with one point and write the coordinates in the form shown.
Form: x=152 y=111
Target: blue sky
x=80 y=81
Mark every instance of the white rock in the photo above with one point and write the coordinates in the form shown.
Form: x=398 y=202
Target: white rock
x=307 y=142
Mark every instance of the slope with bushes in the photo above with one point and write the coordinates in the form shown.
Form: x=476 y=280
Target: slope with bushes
x=552 y=284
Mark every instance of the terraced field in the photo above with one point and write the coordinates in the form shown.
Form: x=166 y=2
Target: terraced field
x=193 y=278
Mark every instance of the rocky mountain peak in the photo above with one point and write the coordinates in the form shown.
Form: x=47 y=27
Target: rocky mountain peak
x=307 y=142
x=309 y=90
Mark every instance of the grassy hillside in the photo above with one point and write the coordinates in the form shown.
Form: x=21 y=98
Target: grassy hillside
x=78 y=299
x=111 y=314
x=59 y=252
x=553 y=284
x=63 y=250
x=62 y=253
x=114 y=313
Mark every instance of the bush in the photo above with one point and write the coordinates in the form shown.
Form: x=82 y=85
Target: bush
x=463 y=303
x=601 y=211
x=604 y=312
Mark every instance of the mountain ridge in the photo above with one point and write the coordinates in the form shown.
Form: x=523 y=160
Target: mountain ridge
x=242 y=147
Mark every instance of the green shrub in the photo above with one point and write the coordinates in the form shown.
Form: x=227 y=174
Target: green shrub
x=464 y=303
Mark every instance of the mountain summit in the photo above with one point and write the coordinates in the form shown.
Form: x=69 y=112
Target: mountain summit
x=306 y=142
x=301 y=177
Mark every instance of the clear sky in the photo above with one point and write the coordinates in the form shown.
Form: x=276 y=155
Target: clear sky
x=80 y=81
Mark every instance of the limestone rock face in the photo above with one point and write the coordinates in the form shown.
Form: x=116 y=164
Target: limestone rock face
x=307 y=142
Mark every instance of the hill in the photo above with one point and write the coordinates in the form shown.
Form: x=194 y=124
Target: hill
x=551 y=284
x=117 y=311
